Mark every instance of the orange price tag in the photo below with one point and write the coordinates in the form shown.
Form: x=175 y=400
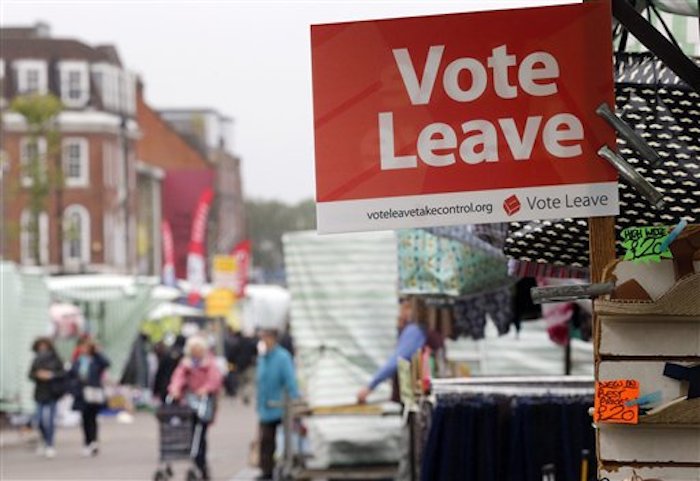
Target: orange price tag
x=610 y=401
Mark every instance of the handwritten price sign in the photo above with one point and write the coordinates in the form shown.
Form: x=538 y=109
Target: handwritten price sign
x=643 y=244
x=611 y=398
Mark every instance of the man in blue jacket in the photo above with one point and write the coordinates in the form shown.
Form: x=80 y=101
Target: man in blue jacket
x=413 y=336
x=275 y=375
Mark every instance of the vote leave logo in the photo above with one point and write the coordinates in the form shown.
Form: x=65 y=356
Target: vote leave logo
x=414 y=107
x=511 y=205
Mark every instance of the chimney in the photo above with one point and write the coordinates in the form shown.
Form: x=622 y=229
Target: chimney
x=42 y=30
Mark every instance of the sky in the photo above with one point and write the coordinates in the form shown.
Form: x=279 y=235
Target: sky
x=250 y=60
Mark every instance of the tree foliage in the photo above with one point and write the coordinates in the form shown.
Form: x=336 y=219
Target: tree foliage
x=268 y=220
x=39 y=112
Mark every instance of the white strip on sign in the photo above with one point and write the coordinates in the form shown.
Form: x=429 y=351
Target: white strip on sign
x=479 y=207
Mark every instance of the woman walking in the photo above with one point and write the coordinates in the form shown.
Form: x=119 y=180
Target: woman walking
x=48 y=374
x=197 y=379
x=87 y=370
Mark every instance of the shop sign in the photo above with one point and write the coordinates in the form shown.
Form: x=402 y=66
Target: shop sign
x=219 y=302
x=224 y=272
x=463 y=118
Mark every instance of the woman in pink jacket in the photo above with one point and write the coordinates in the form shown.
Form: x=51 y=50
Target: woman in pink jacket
x=196 y=378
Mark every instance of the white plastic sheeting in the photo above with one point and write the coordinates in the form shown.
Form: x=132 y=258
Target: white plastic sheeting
x=344 y=306
x=343 y=319
x=24 y=315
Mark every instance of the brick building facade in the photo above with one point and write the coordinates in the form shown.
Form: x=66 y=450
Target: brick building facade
x=94 y=212
x=125 y=165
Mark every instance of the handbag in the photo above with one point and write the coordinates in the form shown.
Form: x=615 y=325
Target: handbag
x=94 y=395
x=204 y=407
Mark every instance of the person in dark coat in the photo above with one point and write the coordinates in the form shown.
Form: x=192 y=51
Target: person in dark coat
x=168 y=359
x=87 y=372
x=48 y=374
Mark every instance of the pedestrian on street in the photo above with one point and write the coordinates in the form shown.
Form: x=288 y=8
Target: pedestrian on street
x=197 y=379
x=240 y=351
x=50 y=378
x=275 y=376
x=168 y=359
x=87 y=372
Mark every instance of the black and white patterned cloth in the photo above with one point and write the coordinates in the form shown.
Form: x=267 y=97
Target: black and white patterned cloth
x=666 y=113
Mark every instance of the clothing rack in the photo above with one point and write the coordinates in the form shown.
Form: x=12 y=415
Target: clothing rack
x=519 y=386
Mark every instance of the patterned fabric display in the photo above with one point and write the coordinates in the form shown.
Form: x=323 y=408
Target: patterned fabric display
x=470 y=312
x=429 y=264
x=489 y=237
x=666 y=113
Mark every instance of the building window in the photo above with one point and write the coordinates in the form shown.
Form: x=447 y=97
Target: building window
x=31 y=77
x=32 y=81
x=76 y=235
x=75 y=90
x=106 y=77
x=32 y=160
x=76 y=163
x=28 y=238
x=74 y=83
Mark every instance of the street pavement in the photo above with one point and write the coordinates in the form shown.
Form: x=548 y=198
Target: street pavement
x=130 y=451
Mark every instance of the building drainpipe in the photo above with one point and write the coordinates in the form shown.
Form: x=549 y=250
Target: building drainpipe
x=59 y=211
x=125 y=201
x=155 y=225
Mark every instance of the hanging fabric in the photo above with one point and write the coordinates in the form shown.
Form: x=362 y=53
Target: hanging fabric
x=434 y=265
x=666 y=113
x=508 y=438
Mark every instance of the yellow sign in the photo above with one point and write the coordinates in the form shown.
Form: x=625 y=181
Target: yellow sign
x=219 y=302
x=225 y=272
x=225 y=264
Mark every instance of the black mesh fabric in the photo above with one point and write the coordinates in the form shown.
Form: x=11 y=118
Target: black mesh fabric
x=666 y=113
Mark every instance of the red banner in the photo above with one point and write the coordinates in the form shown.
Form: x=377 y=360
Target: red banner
x=242 y=253
x=196 y=258
x=168 y=275
x=181 y=192
x=463 y=118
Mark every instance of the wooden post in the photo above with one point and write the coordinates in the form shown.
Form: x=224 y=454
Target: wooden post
x=601 y=251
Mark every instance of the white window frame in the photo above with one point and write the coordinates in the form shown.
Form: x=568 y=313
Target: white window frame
x=65 y=68
x=109 y=84
x=26 y=255
x=84 y=179
x=27 y=180
x=22 y=67
x=84 y=235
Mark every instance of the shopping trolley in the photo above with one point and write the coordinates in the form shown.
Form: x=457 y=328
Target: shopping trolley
x=180 y=436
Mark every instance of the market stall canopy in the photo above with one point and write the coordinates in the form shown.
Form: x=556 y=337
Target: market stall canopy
x=96 y=288
x=23 y=317
x=265 y=307
x=173 y=309
x=114 y=307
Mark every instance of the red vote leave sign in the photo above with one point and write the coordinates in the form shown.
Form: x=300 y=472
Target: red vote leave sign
x=463 y=118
